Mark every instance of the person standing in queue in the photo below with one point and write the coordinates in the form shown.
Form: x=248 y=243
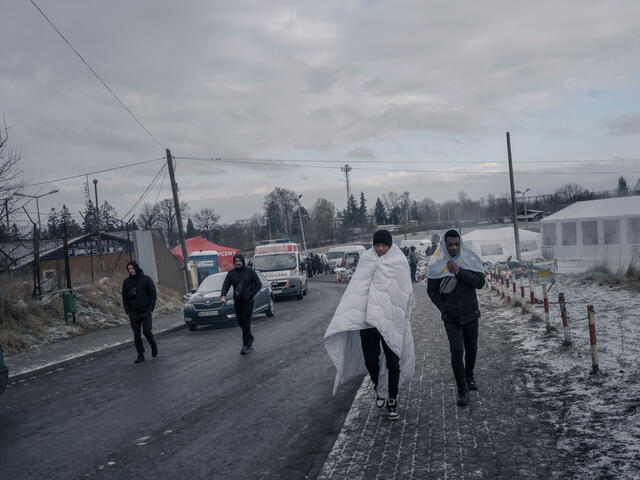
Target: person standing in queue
x=246 y=284
x=139 y=301
x=455 y=273
x=371 y=327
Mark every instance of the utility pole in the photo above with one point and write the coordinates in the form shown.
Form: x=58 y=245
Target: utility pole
x=67 y=267
x=346 y=169
x=176 y=203
x=95 y=185
x=513 y=200
x=304 y=242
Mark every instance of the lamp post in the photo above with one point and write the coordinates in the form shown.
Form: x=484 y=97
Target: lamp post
x=37 y=203
x=304 y=242
x=524 y=202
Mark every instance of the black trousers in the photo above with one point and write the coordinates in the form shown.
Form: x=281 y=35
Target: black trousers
x=243 y=314
x=463 y=345
x=413 y=268
x=141 y=323
x=371 y=340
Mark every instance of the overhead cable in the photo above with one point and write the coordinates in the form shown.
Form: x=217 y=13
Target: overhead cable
x=96 y=75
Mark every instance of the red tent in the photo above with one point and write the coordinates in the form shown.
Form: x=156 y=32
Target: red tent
x=197 y=244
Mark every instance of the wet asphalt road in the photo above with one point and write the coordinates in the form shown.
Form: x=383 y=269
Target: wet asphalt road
x=198 y=411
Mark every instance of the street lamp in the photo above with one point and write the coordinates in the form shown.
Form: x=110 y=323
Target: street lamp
x=524 y=202
x=304 y=242
x=37 y=204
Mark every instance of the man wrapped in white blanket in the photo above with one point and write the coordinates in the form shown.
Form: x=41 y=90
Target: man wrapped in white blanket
x=375 y=311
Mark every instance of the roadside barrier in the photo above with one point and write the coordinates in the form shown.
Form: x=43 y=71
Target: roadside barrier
x=565 y=319
x=545 y=298
x=508 y=291
x=592 y=339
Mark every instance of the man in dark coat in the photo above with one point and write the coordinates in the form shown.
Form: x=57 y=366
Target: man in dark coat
x=139 y=301
x=455 y=297
x=246 y=285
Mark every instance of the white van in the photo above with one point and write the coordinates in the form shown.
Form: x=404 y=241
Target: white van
x=335 y=254
x=282 y=265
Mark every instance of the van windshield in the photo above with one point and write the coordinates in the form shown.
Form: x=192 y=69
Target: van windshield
x=274 y=262
x=332 y=255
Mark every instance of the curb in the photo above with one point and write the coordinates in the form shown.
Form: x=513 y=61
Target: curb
x=51 y=367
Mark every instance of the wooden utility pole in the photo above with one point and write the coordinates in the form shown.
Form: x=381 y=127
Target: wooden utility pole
x=176 y=203
x=513 y=201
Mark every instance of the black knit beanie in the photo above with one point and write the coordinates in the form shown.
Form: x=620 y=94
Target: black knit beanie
x=383 y=236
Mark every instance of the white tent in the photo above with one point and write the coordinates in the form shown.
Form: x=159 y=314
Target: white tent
x=498 y=244
x=601 y=232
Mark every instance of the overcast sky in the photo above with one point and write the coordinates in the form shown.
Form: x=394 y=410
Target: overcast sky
x=384 y=86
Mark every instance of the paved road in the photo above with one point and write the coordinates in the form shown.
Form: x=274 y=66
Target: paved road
x=198 y=411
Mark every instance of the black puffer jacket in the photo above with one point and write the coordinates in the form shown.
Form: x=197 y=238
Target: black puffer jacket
x=138 y=292
x=461 y=305
x=246 y=283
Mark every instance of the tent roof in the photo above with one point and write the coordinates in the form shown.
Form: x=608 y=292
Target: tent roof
x=197 y=244
x=607 y=207
x=498 y=235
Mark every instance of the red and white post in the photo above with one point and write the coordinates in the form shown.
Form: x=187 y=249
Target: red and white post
x=592 y=338
x=508 y=290
x=524 y=307
x=547 y=320
x=514 y=286
x=531 y=292
x=502 y=283
x=565 y=319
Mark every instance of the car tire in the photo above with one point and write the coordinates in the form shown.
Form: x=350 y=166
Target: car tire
x=272 y=308
x=192 y=327
x=299 y=296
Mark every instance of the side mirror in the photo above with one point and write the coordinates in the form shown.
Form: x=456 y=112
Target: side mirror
x=194 y=290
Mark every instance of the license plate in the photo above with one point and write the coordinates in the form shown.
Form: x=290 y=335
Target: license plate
x=276 y=292
x=209 y=313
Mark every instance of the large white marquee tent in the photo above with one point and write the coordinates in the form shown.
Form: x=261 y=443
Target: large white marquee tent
x=498 y=244
x=599 y=232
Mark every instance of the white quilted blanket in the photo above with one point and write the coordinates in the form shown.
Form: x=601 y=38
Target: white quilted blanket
x=379 y=295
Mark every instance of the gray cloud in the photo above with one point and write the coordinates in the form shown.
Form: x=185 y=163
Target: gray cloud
x=624 y=125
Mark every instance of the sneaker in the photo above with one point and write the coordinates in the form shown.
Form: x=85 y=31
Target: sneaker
x=140 y=359
x=245 y=349
x=471 y=384
x=392 y=409
x=380 y=401
x=154 y=351
x=463 y=398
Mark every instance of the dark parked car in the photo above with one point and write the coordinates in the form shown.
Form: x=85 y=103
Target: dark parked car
x=204 y=307
x=4 y=372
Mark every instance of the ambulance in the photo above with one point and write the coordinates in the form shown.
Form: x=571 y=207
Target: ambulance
x=282 y=264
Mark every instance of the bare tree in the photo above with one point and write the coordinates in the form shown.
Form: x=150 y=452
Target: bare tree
x=205 y=221
x=11 y=181
x=149 y=218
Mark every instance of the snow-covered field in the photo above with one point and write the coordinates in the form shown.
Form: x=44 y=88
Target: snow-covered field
x=596 y=416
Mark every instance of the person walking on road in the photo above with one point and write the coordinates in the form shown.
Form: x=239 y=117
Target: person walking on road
x=139 y=301
x=246 y=284
x=371 y=326
x=455 y=273
x=413 y=263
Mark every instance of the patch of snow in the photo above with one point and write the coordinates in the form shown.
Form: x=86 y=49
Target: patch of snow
x=597 y=416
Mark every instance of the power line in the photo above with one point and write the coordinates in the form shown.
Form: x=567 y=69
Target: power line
x=96 y=74
x=146 y=191
x=94 y=172
x=289 y=163
x=415 y=162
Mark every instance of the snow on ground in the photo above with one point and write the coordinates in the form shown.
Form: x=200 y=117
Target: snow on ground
x=597 y=417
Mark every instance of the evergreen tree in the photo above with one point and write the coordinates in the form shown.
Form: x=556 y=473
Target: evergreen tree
x=380 y=213
x=623 y=187
x=362 y=210
x=191 y=230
